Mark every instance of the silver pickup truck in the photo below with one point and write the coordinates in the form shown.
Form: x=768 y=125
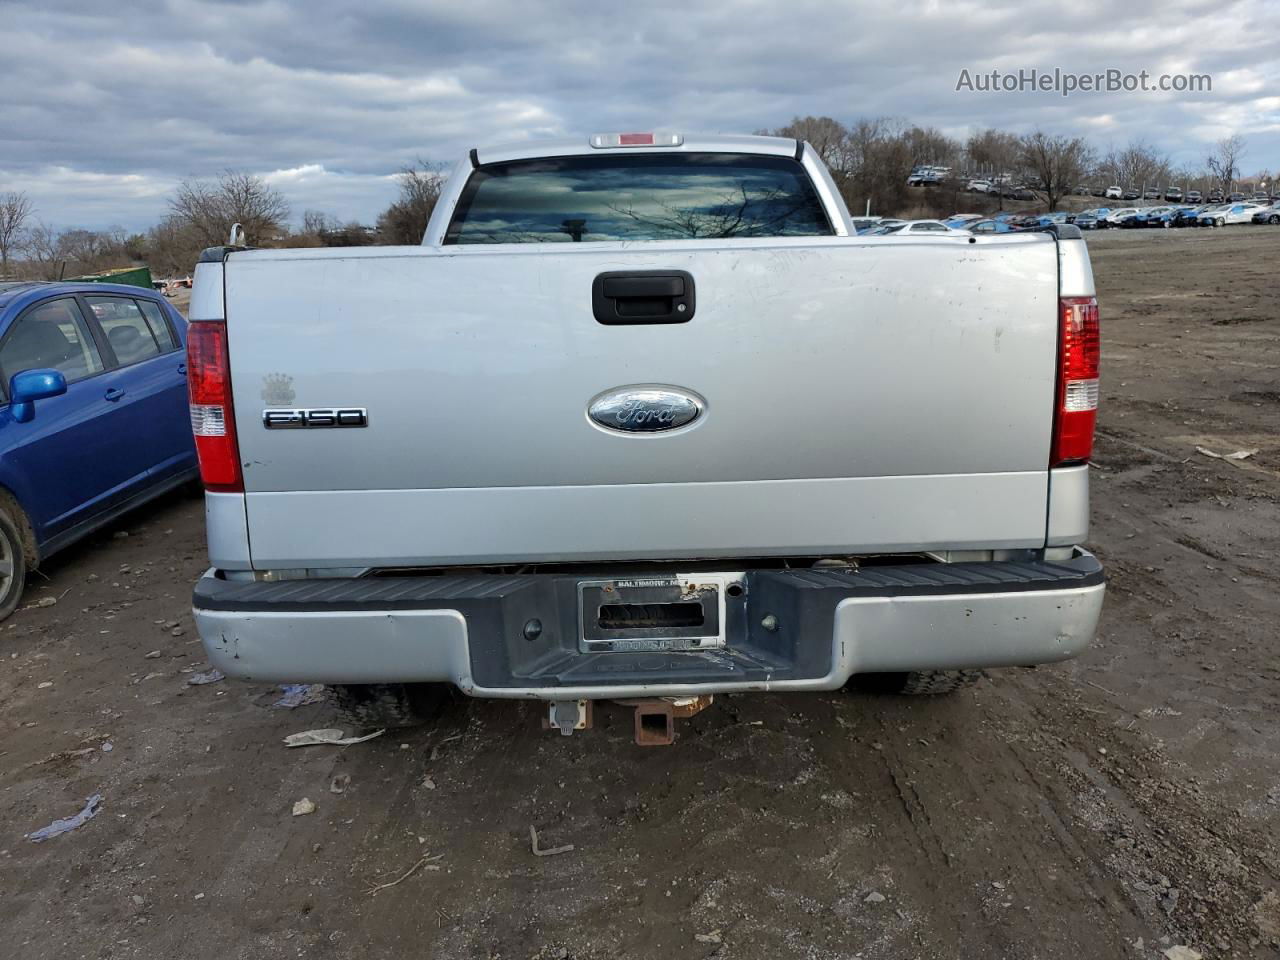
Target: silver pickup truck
x=642 y=417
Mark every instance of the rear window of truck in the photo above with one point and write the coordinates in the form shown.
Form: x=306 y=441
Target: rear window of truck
x=638 y=197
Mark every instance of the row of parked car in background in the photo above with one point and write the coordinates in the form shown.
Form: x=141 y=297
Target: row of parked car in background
x=1100 y=218
x=1170 y=194
x=1176 y=195
x=1177 y=215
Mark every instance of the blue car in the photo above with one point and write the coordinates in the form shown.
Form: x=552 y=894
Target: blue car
x=1088 y=219
x=1166 y=217
x=94 y=419
x=1049 y=219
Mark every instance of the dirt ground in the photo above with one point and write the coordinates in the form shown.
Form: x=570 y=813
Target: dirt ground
x=1114 y=806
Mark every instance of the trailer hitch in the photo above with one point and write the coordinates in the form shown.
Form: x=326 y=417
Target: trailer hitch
x=655 y=717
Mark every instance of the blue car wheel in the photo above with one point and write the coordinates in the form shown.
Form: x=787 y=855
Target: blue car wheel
x=13 y=565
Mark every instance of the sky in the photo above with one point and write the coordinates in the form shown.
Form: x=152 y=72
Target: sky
x=105 y=107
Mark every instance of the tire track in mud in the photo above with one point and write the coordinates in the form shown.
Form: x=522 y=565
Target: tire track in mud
x=990 y=842
x=1186 y=864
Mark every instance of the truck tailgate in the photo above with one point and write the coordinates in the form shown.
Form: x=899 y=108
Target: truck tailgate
x=859 y=395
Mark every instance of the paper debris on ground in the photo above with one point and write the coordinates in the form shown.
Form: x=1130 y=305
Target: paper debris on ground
x=304 y=807
x=1183 y=953
x=1234 y=455
x=212 y=676
x=300 y=694
x=58 y=827
x=330 y=736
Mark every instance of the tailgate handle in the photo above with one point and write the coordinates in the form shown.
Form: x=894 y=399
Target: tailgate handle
x=643 y=296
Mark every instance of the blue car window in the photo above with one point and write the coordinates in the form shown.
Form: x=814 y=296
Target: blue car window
x=126 y=328
x=51 y=335
x=160 y=328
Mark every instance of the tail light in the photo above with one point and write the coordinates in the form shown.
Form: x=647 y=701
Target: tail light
x=1077 y=401
x=212 y=413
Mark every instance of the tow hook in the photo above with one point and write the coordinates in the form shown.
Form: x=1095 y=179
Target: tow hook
x=656 y=717
x=567 y=716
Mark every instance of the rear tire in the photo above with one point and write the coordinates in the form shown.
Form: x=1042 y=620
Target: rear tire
x=389 y=705
x=13 y=565
x=917 y=683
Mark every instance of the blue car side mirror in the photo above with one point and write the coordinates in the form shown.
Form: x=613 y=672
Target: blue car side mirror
x=27 y=387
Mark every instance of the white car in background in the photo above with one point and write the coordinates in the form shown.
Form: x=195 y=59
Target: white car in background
x=1114 y=193
x=979 y=186
x=1113 y=218
x=1235 y=213
x=917 y=228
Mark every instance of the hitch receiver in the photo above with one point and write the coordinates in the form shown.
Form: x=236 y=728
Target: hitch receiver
x=656 y=718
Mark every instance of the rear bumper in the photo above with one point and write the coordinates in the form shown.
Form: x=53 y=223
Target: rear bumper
x=828 y=625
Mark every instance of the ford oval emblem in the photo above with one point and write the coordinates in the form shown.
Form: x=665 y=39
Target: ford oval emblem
x=645 y=409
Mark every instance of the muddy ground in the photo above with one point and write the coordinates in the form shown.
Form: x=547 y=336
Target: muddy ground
x=1110 y=807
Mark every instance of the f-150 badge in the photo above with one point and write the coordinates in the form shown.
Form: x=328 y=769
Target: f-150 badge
x=645 y=409
x=304 y=418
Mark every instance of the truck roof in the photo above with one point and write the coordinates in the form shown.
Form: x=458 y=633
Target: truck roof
x=581 y=146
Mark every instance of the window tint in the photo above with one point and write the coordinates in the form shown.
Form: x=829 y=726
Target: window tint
x=52 y=335
x=638 y=197
x=159 y=325
x=126 y=329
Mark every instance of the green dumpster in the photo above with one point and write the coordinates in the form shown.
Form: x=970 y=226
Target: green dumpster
x=133 y=276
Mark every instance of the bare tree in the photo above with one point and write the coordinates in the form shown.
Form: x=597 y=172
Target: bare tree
x=317 y=222
x=52 y=254
x=931 y=146
x=993 y=153
x=1055 y=164
x=173 y=247
x=1137 y=165
x=405 y=221
x=1224 y=162
x=41 y=248
x=210 y=207
x=15 y=209
x=829 y=138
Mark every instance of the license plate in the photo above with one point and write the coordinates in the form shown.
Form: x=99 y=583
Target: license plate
x=653 y=613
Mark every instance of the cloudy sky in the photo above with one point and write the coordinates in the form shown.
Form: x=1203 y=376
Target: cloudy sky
x=103 y=107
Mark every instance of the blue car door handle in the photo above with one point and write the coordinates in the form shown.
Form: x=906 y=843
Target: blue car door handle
x=114 y=394
x=182 y=369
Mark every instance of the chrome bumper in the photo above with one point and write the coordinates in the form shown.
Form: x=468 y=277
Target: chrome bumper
x=466 y=630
